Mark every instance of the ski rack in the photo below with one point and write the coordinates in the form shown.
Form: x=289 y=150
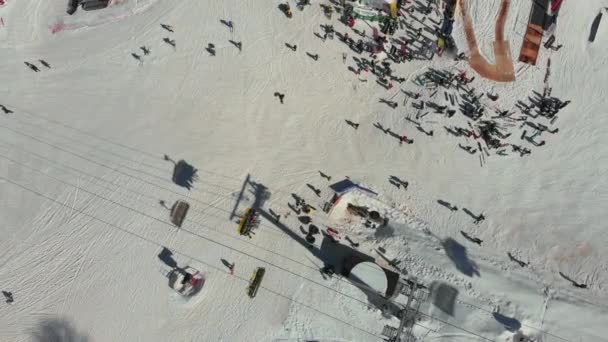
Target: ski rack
x=256 y=280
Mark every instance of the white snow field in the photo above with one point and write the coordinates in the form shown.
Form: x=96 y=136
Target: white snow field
x=82 y=173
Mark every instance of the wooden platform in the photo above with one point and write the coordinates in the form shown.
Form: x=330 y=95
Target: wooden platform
x=534 y=32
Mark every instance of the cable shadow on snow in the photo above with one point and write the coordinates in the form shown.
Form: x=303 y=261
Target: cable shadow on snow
x=458 y=255
x=56 y=330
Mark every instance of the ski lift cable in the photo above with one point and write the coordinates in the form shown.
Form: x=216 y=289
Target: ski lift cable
x=114 y=154
x=265 y=249
x=274 y=292
x=182 y=229
x=139 y=152
x=224 y=245
x=124 y=146
x=199 y=226
x=250 y=255
x=59 y=166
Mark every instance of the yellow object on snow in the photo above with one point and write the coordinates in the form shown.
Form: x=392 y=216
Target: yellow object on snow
x=441 y=43
x=393 y=8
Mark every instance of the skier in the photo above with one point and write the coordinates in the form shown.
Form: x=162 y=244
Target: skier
x=169 y=41
x=404 y=138
x=145 y=49
x=292 y=47
x=519 y=262
x=479 y=219
x=470 y=238
x=167 y=27
x=239 y=45
x=32 y=66
x=211 y=49
x=43 y=62
x=344 y=57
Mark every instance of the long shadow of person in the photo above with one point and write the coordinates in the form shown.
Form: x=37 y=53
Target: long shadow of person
x=510 y=323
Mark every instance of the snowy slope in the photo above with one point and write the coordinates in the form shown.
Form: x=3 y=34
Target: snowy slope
x=82 y=172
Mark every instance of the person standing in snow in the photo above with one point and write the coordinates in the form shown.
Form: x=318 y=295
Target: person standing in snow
x=280 y=96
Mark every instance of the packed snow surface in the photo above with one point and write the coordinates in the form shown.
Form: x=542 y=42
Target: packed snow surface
x=82 y=174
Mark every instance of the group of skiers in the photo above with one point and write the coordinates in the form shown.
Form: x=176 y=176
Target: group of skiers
x=34 y=68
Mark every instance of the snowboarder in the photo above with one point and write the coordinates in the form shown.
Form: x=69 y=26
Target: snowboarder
x=145 y=49
x=8 y=296
x=32 y=66
x=280 y=96
x=43 y=62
